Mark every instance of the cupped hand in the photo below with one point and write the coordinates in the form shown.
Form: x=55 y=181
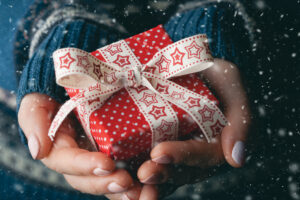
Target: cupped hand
x=189 y=161
x=88 y=172
x=172 y=163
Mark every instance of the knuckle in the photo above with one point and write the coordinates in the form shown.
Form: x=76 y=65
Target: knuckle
x=93 y=157
x=164 y=147
x=123 y=173
x=124 y=178
x=100 y=159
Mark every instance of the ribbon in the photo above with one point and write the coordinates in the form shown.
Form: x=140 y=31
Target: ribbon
x=147 y=84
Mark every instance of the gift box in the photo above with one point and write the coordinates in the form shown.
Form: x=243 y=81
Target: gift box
x=138 y=92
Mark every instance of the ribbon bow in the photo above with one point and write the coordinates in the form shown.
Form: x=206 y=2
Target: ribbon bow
x=147 y=84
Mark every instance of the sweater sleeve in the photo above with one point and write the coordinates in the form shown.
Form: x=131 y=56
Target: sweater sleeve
x=38 y=74
x=223 y=25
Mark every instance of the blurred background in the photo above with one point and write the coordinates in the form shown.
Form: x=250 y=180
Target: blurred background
x=272 y=169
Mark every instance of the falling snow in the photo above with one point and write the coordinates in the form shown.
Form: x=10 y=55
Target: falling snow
x=271 y=79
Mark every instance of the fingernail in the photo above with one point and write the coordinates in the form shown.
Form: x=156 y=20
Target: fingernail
x=114 y=187
x=101 y=172
x=163 y=159
x=153 y=179
x=238 y=152
x=125 y=197
x=34 y=146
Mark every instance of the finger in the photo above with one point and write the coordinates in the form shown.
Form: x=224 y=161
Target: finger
x=35 y=116
x=189 y=152
x=67 y=158
x=132 y=194
x=237 y=113
x=117 y=182
x=149 y=192
x=234 y=136
x=181 y=174
x=152 y=173
x=224 y=77
x=115 y=196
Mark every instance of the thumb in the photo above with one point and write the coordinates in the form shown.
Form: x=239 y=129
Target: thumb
x=224 y=77
x=35 y=115
x=234 y=136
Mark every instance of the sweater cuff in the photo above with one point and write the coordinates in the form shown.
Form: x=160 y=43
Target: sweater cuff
x=38 y=74
x=224 y=27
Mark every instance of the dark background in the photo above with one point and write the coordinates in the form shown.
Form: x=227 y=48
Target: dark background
x=273 y=83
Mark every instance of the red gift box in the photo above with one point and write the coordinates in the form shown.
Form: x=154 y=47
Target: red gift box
x=118 y=126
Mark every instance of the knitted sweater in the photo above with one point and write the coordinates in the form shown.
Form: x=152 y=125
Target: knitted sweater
x=89 y=26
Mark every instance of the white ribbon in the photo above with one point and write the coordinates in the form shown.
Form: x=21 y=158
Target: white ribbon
x=146 y=84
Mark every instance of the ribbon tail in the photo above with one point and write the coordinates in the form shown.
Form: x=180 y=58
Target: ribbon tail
x=77 y=100
x=204 y=112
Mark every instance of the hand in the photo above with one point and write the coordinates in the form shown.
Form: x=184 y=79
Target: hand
x=182 y=162
x=198 y=153
x=188 y=161
x=88 y=172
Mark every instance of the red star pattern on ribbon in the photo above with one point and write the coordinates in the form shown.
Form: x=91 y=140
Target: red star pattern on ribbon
x=110 y=77
x=83 y=61
x=150 y=80
x=194 y=50
x=163 y=89
x=165 y=127
x=150 y=69
x=114 y=49
x=166 y=137
x=122 y=61
x=216 y=128
x=130 y=75
x=140 y=89
x=66 y=61
x=207 y=113
x=82 y=109
x=193 y=102
x=207 y=50
x=97 y=70
x=177 y=57
x=148 y=99
x=158 y=112
x=95 y=87
x=78 y=96
x=93 y=100
x=177 y=95
x=163 y=64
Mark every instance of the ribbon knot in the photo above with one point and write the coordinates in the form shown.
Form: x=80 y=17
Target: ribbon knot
x=130 y=77
x=147 y=85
